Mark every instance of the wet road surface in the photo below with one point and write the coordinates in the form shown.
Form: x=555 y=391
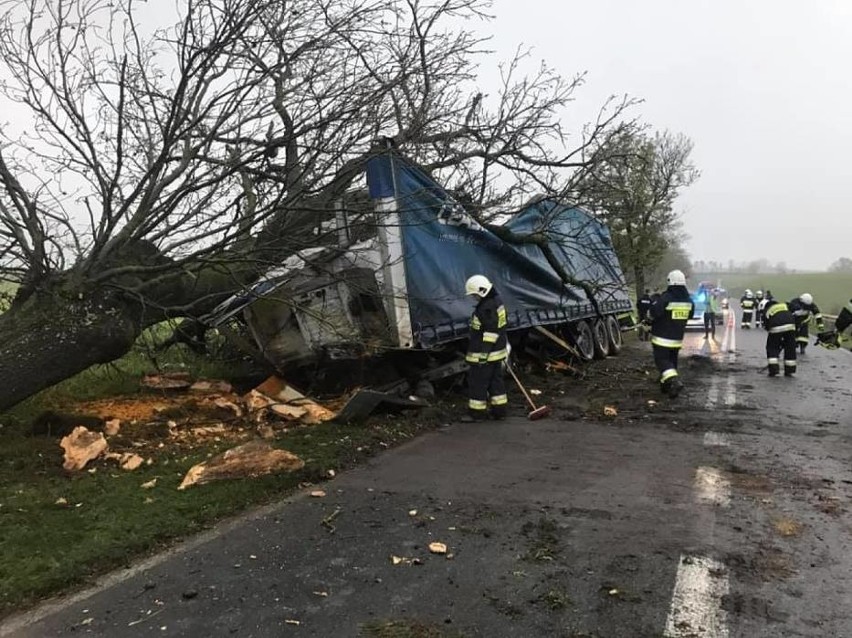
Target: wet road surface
x=722 y=514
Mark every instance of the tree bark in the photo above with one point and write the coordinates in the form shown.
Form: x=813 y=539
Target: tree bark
x=639 y=280
x=57 y=333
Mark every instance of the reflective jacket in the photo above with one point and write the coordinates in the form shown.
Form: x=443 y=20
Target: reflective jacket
x=844 y=319
x=746 y=303
x=778 y=318
x=669 y=315
x=803 y=312
x=488 y=331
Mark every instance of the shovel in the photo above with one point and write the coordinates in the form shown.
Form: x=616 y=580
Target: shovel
x=536 y=413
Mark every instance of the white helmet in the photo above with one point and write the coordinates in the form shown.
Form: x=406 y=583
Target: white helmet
x=477 y=285
x=676 y=278
x=759 y=293
x=806 y=298
x=749 y=294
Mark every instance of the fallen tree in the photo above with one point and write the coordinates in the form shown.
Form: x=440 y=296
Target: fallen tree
x=153 y=172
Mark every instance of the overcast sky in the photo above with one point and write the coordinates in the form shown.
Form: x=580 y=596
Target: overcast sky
x=763 y=88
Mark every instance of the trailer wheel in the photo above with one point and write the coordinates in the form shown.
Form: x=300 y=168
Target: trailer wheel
x=601 y=339
x=581 y=332
x=613 y=329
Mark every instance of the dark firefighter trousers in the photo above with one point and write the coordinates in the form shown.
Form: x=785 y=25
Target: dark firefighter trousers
x=747 y=315
x=774 y=344
x=484 y=381
x=666 y=361
x=802 y=333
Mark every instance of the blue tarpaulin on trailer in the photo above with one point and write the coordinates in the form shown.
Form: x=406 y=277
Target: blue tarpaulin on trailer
x=443 y=246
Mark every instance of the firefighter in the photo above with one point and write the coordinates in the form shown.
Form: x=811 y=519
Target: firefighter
x=486 y=351
x=759 y=302
x=781 y=326
x=844 y=319
x=668 y=317
x=747 y=306
x=644 y=304
x=804 y=309
x=761 y=307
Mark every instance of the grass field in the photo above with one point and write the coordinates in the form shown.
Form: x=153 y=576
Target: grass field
x=831 y=291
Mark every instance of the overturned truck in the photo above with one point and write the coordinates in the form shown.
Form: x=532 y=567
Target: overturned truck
x=395 y=287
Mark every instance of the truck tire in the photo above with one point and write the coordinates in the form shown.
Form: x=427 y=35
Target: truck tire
x=601 y=340
x=613 y=331
x=584 y=340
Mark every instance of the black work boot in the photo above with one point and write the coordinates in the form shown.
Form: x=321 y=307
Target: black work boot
x=474 y=416
x=498 y=413
x=773 y=369
x=675 y=387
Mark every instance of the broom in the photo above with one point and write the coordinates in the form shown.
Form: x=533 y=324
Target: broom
x=536 y=413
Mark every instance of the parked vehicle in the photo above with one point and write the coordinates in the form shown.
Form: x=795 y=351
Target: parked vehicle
x=402 y=288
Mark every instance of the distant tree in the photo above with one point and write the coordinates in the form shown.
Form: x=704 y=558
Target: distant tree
x=635 y=190
x=844 y=264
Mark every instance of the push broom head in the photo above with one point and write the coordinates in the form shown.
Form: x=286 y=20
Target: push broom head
x=539 y=413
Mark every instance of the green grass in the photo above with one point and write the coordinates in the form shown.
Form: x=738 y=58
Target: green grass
x=46 y=548
x=831 y=291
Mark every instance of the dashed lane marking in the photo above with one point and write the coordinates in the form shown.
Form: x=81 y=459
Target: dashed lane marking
x=712 y=393
x=696 y=608
x=730 y=391
x=716 y=439
x=712 y=487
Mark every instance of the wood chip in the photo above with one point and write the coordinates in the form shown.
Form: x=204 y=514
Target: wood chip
x=437 y=548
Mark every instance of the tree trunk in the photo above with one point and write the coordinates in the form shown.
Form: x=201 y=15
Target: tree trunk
x=639 y=280
x=58 y=333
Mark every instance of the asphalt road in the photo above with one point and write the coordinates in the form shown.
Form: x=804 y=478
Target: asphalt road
x=722 y=514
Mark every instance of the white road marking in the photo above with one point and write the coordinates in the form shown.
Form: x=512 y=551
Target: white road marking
x=712 y=487
x=716 y=439
x=730 y=391
x=712 y=393
x=696 y=610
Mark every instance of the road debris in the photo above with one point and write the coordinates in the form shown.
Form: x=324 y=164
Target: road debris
x=167 y=381
x=327 y=521
x=112 y=427
x=318 y=494
x=149 y=484
x=82 y=446
x=252 y=459
x=438 y=548
x=610 y=410
x=211 y=386
x=130 y=462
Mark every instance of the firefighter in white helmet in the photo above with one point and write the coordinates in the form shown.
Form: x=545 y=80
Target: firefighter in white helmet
x=747 y=305
x=804 y=309
x=486 y=351
x=668 y=317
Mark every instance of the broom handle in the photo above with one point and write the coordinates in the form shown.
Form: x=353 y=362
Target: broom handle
x=518 y=381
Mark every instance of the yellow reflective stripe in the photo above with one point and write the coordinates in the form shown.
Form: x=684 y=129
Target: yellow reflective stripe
x=474 y=357
x=776 y=308
x=787 y=327
x=475 y=323
x=849 y=306
x=502 y=321
x=666 y=343
x=818 y=316
x=490 y=337
x=789 y=363
x=675 y=305
x=498 y=355
x=668 y=374
x=476 y=404
x=499 y=399
x=773 y=361
x=802 y=339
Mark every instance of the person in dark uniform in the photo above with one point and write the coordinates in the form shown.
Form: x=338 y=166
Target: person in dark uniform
x=804 y=309
x=486 y=351
x=668 y=316
x=781 y=326
x=643 y=305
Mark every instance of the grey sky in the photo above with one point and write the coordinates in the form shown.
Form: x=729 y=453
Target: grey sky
x=762 y=87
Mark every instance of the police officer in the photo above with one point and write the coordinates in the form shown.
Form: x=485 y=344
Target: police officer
x=643 y=305
x=781 y=326
x=486 y=352
x=747 y=306
x=803 y=309
x=668 y=316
